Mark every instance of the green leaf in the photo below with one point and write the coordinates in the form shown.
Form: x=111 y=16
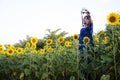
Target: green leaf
x=44 y=76
x=106 y=58
x=72 y=78
x=105 y=77
x=118 y=69
x=27 y=72
x=21 y=75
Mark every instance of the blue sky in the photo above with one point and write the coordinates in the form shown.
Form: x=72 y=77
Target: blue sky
x=19 y=18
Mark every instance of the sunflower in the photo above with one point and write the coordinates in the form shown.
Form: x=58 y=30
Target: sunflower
x=60 y=39
x=13 y=47
x=10 y=46
x=1 y=49
x=75 y=37
x=10 y=51
x=100 y=33
x=50 y=50
x=68 y=43
x=19 y=50
x=96 y=40
x=34 y=51
x=34 y=46
x=42 y=51
x=49 y=41
x=34 y=40
x=105 y=39
x=27 y=44
x=26 y=49
x=119 y=19
x=1 y=45
x=112 y=18
x=61 y=47
x=86 y=40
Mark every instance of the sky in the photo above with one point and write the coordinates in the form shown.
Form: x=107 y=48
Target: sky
x=19 y=18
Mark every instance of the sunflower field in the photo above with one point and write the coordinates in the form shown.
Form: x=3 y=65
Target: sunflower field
x=57 y=57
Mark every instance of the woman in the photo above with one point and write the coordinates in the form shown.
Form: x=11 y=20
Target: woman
x=87 y=30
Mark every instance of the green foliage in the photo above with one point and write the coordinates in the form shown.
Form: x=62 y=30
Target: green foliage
x=54 y=34
x=101 y=61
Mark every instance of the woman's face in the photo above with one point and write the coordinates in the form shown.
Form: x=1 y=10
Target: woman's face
x=87 y=20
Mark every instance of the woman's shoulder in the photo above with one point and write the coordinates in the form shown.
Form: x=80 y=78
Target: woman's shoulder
x=82 y=29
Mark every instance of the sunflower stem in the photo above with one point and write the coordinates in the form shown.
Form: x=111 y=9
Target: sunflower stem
x=114 y=55
x=78 y=61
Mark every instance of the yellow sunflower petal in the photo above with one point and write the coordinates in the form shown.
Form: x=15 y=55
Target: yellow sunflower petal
x=86 y=40
x=10 y=52
x=75 y=37
x=34 y=40
x=49 y=41
x=112 y=18
x=60 y=39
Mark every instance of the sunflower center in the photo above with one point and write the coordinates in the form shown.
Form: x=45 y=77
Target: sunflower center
x=34 y=40
x=112 y=19
x=49 y=41
x=19 y=50
x=86 y=40
x=61 y=40
x=10 y=51
x=1 y=49
x=76 y=37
